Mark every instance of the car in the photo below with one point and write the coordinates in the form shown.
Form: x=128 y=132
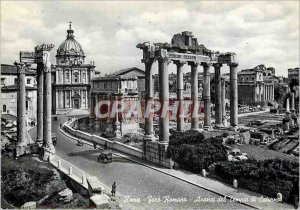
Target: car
x=105 y=157
x=54 y=138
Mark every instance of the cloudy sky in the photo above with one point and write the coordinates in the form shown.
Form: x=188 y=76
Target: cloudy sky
x=259 y=32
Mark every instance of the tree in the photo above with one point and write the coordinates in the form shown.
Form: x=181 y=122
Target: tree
x=279 y=93
x=293 y=83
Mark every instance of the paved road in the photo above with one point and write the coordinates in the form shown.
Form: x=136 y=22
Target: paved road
x=136 y=181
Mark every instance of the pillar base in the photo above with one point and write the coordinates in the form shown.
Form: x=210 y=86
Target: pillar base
x=149 y=137
x=48 y=153
x=208 y=128
x=91 y=122
x=97 y=127
x=20 y=151
x=39 y=142
x=196 y=129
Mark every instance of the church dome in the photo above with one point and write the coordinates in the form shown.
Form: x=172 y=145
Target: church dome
x=70 y=47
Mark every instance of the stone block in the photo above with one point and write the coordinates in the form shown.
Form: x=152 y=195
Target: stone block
x=100 y=201
x=29 y=205
x=94 y=186
x=66 y=195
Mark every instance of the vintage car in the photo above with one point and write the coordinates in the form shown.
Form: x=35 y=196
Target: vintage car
x=79 y=142
x=105 y=157
x=54 y=138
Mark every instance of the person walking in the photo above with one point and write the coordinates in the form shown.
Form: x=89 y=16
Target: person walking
x=113 y=189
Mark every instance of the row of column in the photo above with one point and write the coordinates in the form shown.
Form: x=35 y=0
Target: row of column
x=164 y=96
x=44 y=101
x=64 y=98
x=268 y=92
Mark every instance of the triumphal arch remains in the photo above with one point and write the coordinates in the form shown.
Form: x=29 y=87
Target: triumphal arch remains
x=184 y=49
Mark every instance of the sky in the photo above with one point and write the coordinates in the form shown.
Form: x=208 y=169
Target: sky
x=259 y=32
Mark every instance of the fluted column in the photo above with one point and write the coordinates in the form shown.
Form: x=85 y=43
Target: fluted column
x=164 y=99
x=218 y=100
x=21 y=106
x=40 y=102
x=206 y=95
x=149 y=134
x=180 y=112
x=233 y=95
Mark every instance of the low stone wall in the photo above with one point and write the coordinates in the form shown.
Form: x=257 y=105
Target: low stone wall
x=156 y=152
x=102 y=141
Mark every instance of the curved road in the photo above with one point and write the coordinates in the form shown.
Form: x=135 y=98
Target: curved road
x=136 y=181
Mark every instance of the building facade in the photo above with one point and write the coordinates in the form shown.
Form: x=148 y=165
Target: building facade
x=124 y=89
x=133 y=72
x=9 y=88
x=254 y=87
x=293 y=73
x=71 y=77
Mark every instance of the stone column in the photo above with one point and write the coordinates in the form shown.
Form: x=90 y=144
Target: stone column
x=264 y=92
x=218 y=90
x=180 y=112
x=149 y=101
x=233 y=95
x=97 y=123
x=117 y=131
x=21 y=110
x=48 y=147
x=164 y=99
x=194 y=96
x=223 y=97
x=92 y=111
x=40 y=102
x=293 y=111
x=272 y=92
x=206 y=95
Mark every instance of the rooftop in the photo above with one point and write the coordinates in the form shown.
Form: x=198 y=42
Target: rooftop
x=7 y=69
x=15 y=88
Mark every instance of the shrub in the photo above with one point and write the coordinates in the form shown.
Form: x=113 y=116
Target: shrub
x=265 y=176
x=194 y=153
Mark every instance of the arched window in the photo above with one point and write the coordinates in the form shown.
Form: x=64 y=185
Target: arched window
x=4 y=108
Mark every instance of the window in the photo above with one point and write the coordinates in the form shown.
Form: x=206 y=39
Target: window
x=16 y=81
x=67 y=76
x=83 y=76
x=105 y=85
x=26 y=105
x=2 y=81
x=76 y=76
x=4 y=108
x=28 y=81
x=83 y=97
x=68 y=98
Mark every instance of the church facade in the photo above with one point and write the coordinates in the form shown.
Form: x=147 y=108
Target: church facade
x=71 y=77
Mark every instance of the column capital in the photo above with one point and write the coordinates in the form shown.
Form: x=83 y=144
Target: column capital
x=204 y=64
x=179 y=62
x=20 y=67
x=43 y=53
x=234 y=64
x=193 y=63
x=164 y=60
x=217 y=65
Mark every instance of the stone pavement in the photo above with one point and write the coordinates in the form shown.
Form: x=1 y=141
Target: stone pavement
x=244 y=196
